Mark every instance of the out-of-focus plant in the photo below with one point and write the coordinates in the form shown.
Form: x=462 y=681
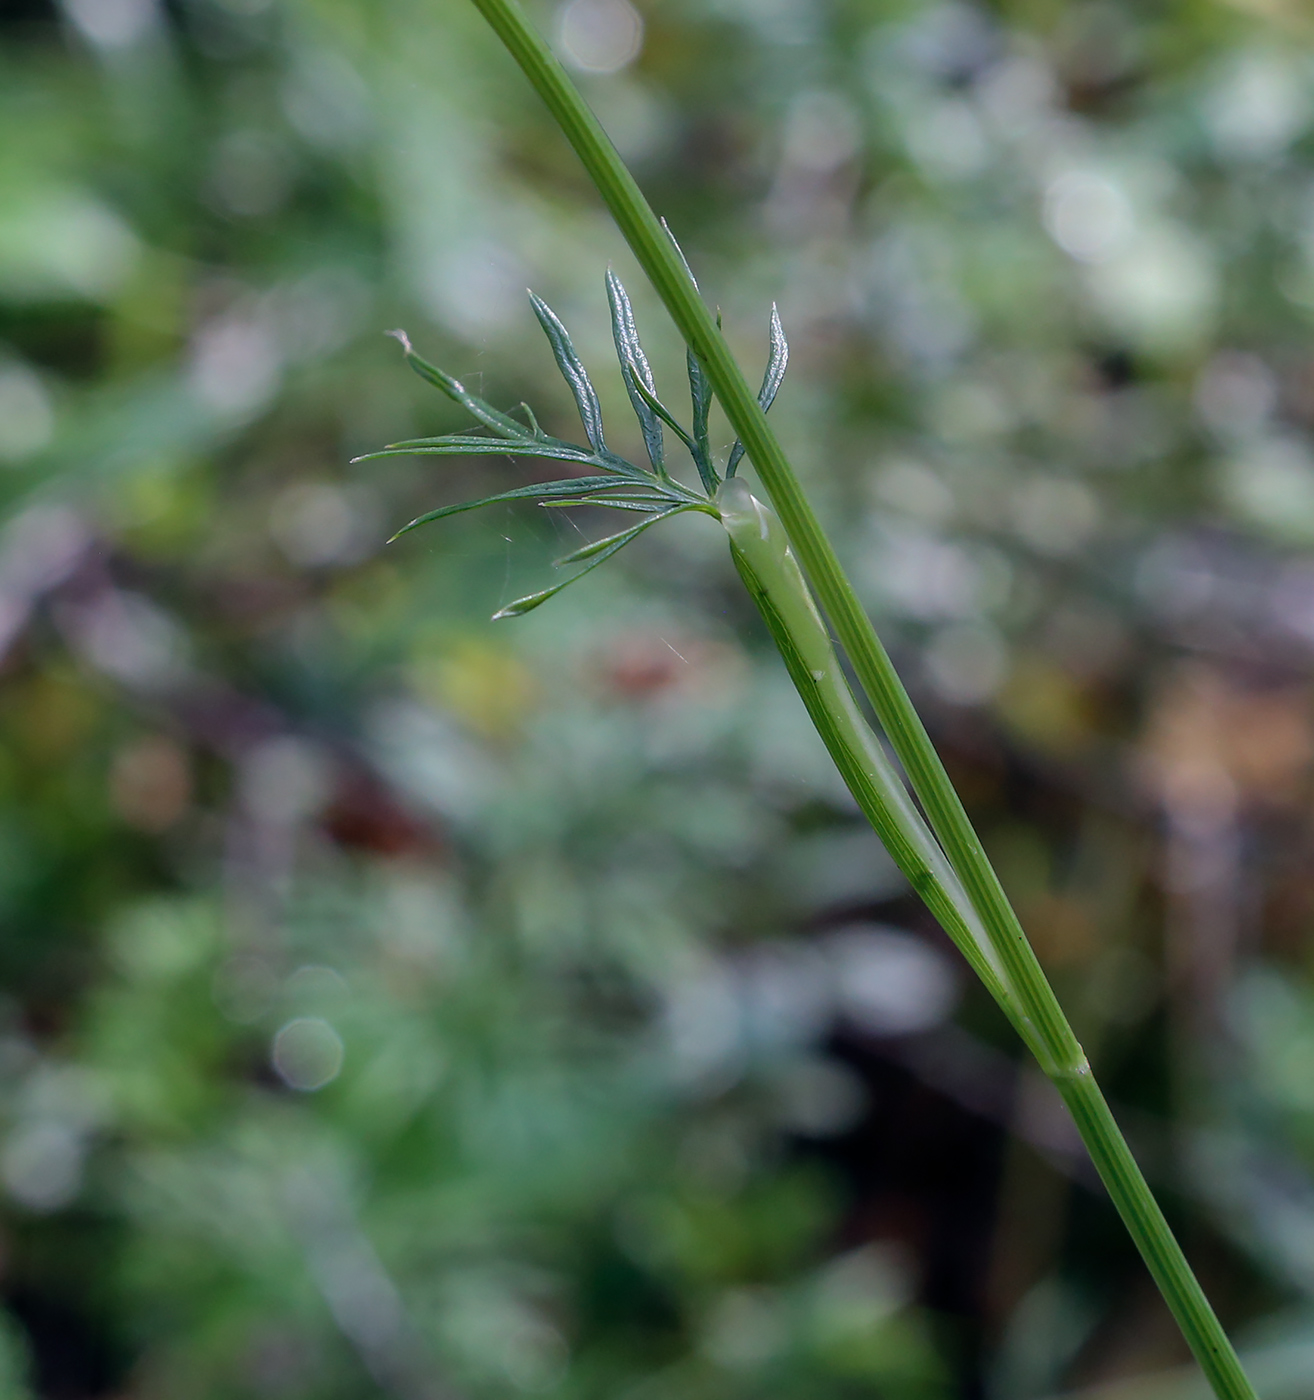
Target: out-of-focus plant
x=625 y=1006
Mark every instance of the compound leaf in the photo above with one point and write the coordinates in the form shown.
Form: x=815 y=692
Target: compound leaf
x=635 y=368
x=597 y=553
x=546 y=490
x=490 y=417
x=777 y=363
x=680 y=254
x=463 y=445
x=655 y=406
x=645 y=504
x=700 y=393
x=572 y=371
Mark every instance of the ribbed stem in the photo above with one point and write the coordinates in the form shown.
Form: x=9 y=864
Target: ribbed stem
x=1153 y=1237
x=1035 y=1009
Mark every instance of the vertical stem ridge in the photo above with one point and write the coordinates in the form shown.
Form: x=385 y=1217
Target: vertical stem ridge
x=1150 y=1230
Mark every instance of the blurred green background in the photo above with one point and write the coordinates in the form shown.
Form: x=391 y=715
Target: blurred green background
x=398 y=1004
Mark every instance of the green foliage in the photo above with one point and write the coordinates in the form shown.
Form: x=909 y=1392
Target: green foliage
x=629 y=487
x=771 y=382
x=570 y=895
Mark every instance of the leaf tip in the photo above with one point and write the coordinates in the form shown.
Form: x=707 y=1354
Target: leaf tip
x=516 y=609
x=403 y=339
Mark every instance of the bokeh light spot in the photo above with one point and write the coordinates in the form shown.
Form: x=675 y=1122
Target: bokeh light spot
x=599 y=36
x=307 y=1053
x=1088 y=216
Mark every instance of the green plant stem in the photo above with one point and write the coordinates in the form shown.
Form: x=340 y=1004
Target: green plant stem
x=775 y=583
x=1036 y=1011
x=1047 y=1031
